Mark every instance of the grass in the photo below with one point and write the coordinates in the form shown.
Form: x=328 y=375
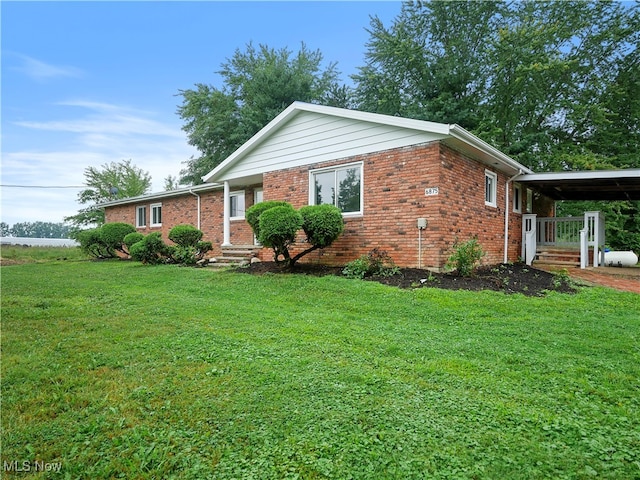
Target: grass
x=116 y=370
x=18 y=254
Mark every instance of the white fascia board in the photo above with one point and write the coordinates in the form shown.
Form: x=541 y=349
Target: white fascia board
x=205 y=187
x=469 y=138
x=581 y=175
x=294 y=108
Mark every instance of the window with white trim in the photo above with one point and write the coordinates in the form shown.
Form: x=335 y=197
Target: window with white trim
x=236 y=205
x=141 y=216
x=517 y=198
x=156 y=215
x=490 y=188
x=340 y=186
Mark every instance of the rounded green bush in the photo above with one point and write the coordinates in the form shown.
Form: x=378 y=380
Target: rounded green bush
x=278 y=228
x=131 y=238
x=150 y=250
x=252 y=215
x=112 y=234
x=185 y=235
x=322 y=224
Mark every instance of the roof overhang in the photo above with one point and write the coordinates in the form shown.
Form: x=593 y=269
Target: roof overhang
x=586 y=185
x=205 y=187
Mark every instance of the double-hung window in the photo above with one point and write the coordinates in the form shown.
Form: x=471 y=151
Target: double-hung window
x=156 y=215
x=340 y=186
x=236 y=205
x=490 y=188
x=141 y=216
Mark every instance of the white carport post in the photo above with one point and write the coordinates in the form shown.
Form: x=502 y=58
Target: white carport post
x=226 y=225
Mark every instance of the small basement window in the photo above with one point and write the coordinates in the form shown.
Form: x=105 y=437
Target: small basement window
x=141 y=216
x=490 y=188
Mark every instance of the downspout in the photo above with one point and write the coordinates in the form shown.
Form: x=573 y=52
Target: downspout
x=506 y=216
x=198 y=197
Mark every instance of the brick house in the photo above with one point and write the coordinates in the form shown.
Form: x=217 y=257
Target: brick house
x=387 y=174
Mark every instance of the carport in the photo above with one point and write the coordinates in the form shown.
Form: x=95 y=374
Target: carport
x=585 y=233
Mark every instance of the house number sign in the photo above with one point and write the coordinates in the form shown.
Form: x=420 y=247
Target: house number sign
x=429 y=192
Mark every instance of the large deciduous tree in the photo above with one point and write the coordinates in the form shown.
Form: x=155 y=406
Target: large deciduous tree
x=110 y=182
x=258 y=84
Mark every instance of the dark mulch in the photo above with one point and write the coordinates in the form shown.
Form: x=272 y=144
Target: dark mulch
x=507 y=278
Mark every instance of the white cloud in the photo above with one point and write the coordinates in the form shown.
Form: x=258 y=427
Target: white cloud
x=39 y=70
x=101 y=134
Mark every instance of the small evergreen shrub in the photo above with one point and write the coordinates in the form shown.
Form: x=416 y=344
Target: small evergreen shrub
x=184 y=255
x=322 y=224
x=277 y=230
x=150 y=250
x=92 y=244
x=466 y=257
x=113 y=234
x=252 y=215
x=131 y=238
x=185 y=235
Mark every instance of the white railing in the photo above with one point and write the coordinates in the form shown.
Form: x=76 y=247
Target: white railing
x=579 y=232
x=559 y=231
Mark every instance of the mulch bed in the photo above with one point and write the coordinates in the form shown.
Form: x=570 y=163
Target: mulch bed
x=507 y=278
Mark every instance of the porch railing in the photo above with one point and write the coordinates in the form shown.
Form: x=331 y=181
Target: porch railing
x=581 y=233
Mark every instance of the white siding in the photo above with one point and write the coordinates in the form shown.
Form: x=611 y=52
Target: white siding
x=311 y=137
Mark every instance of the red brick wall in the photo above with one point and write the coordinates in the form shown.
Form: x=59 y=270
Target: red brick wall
x=394 y=184
x=176 y=211
x=394 y=198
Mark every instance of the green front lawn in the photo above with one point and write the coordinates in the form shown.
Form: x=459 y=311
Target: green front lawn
x=117 y=370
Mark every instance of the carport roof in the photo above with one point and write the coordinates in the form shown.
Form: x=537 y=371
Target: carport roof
x=591 y=185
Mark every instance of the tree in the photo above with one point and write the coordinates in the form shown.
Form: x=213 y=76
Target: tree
x=5 y=229
x=39 y=230
x=112 y=181
x=431 y=64
x=258 y=84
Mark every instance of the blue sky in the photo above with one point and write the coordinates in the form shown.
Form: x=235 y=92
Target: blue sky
x=88 y=83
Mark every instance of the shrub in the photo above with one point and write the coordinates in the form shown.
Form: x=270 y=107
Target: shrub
x=376 y=262
x=252 y=215
x=112 y=235
x=92 y=244
x=322 y=224
x=150 y=250
x=357 y=268
x=465 y=257
x=185 y=235
x=131 y=238
x=277 y=229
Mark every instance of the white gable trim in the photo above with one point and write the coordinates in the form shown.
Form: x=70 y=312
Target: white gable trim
x=393 y=132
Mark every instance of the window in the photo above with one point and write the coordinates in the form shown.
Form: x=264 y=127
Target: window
x=490 y=188
x=156 y=215
x=236 y=205
x=529 y=200
x=141 y=217
x=341 y=186
x=517 y=198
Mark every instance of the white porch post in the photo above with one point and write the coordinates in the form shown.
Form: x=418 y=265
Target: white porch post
x=529 y=237
x=226 y=224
